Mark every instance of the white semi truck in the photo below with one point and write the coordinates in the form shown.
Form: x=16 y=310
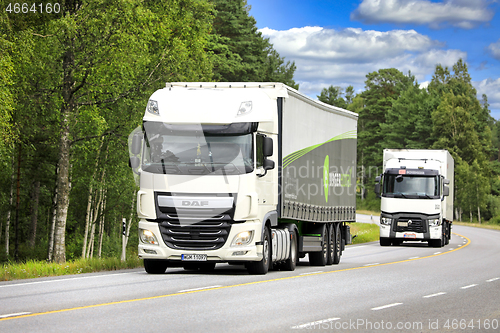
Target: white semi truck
x=416 y=190
x=244 y=173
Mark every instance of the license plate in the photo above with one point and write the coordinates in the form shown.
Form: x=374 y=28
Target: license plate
x=413 y=236
x=194 y=257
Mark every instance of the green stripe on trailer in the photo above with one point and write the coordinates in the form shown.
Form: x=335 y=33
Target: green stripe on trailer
x=296 y=155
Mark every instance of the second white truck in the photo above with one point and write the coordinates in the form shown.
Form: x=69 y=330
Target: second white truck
x=416 y=190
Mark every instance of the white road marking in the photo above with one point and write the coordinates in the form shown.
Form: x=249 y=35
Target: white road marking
x=469 y=286
x=494 y=279
x=386 y=306
x=414 y=258
x=311 y=273
x=195 y=289
x=60 y=280
x=14 y=314
x=376 y=263
x=314 y=323
x=357 y=247
x=434 y=295
x=450 y=249
x=437 y=252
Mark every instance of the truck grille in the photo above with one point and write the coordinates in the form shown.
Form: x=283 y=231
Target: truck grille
x=193 y=221
x=202 y=235
x=410 y=224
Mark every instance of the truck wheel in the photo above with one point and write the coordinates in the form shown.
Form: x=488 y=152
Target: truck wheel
x=437 y=242
x=385 y=241
x=262 y=267
x=447 y=234
x=291 y=262
x=320 y=258
x=153 y=266
x=336 y=243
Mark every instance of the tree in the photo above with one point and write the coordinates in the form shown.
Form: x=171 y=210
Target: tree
x=333 y=96
x=383 y=88
x=239 y=51
x=99 y=53
x=408 y=123
x=462 y=125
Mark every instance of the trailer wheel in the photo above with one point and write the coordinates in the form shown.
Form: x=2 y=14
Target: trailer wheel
x=262 y=267
x=320 y=258
x=335 y=244
x=153 y=266
x=291 y=262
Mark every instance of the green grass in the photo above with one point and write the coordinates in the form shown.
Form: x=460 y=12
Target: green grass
x=479 y=225
x=365 y=232
x=34 y=269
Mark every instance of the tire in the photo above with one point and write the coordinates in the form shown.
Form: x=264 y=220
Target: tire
x=291 y=262
x=153 y=266
x=262 y=267
x=336 y=244
x=320 y=258
x=385 y=241
x=447 y=234
x=437 y=242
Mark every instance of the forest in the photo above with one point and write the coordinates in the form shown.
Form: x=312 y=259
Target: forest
x=74 y=83
x=396 y=112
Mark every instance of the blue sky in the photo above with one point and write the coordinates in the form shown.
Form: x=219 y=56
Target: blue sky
x=338 y=42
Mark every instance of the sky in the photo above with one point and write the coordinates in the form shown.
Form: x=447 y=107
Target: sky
x=338 y=42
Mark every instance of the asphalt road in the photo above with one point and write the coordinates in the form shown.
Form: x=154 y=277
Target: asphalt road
x=408 y=288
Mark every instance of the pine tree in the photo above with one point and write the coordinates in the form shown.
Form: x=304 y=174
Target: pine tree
x=240 y=52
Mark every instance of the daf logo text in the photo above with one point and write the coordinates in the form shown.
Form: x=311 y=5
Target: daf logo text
x=194 y=203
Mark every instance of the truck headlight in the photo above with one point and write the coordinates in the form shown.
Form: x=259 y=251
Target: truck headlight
x=386 y=220
x=147 y=237
x=434 y=222
x=152 y=107
x=243 y=238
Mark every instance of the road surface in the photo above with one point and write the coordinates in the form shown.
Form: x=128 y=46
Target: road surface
x=408 y=288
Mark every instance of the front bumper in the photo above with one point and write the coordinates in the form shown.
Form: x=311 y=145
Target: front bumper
x=431 y=233
x=227 y=253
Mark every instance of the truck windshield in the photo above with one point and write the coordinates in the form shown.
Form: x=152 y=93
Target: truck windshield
x=404 y=186
x=197 y=149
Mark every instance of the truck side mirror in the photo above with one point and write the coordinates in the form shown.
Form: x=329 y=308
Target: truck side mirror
x=268 y=164
x=446 y=191
x=377 y=186
x=134 y=162
x=267 y=150
x=267 y=146
x=136 y=144
x=446 y=181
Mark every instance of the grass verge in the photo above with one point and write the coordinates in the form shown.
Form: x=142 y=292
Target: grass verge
x=479 y=225
x=365 y=232
x=34 y=269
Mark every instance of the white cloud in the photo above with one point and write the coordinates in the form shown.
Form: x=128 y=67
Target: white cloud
x=494 y=49
x=348 y=44
x=327 y=57
x=490 y=87
x=464 y=14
